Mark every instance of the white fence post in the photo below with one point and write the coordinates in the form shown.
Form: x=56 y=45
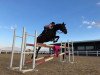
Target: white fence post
x=72 y=52
x=97 y=53
x=86 y=53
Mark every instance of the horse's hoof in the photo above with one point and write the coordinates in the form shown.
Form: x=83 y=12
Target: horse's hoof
x=31 y=57
x=53 y=41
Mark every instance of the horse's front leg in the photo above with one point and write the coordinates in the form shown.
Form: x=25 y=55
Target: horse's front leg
x=56 y=38
x=37 y=50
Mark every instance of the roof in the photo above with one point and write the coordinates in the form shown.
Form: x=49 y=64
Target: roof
x=98 y=40
x=82 y=41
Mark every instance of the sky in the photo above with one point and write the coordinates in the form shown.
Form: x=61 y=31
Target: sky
x=82 y=18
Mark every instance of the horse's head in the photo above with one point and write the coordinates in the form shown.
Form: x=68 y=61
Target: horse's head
x=62 y=28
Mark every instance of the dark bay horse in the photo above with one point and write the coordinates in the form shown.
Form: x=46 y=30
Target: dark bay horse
x=50 y=35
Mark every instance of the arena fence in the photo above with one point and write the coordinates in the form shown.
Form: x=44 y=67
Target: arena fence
x=87 y=53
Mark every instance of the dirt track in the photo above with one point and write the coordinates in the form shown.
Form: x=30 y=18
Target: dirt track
x=82 y=66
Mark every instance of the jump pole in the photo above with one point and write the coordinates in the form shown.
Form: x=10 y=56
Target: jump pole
x=35 y=41
x=68 y=51
x=43 y=59
x=62 y=51
x=22 y=49
x=13 y=45
x=71 y=52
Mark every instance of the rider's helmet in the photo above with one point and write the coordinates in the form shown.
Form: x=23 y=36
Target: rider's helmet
x=52 y=23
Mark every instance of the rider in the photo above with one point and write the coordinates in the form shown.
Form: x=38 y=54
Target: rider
x=50 y=26
x=47 y=27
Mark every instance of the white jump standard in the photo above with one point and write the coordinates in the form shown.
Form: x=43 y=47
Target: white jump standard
x=22 y=56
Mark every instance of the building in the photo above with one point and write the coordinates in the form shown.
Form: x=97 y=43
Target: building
x=8 y=50
x=87 y=47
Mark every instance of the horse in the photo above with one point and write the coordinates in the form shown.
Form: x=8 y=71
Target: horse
x=50 y=35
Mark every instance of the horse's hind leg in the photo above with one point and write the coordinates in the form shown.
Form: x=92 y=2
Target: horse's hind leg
x=37 y=50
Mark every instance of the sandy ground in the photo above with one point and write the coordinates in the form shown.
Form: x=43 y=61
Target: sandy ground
x=83 y=66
